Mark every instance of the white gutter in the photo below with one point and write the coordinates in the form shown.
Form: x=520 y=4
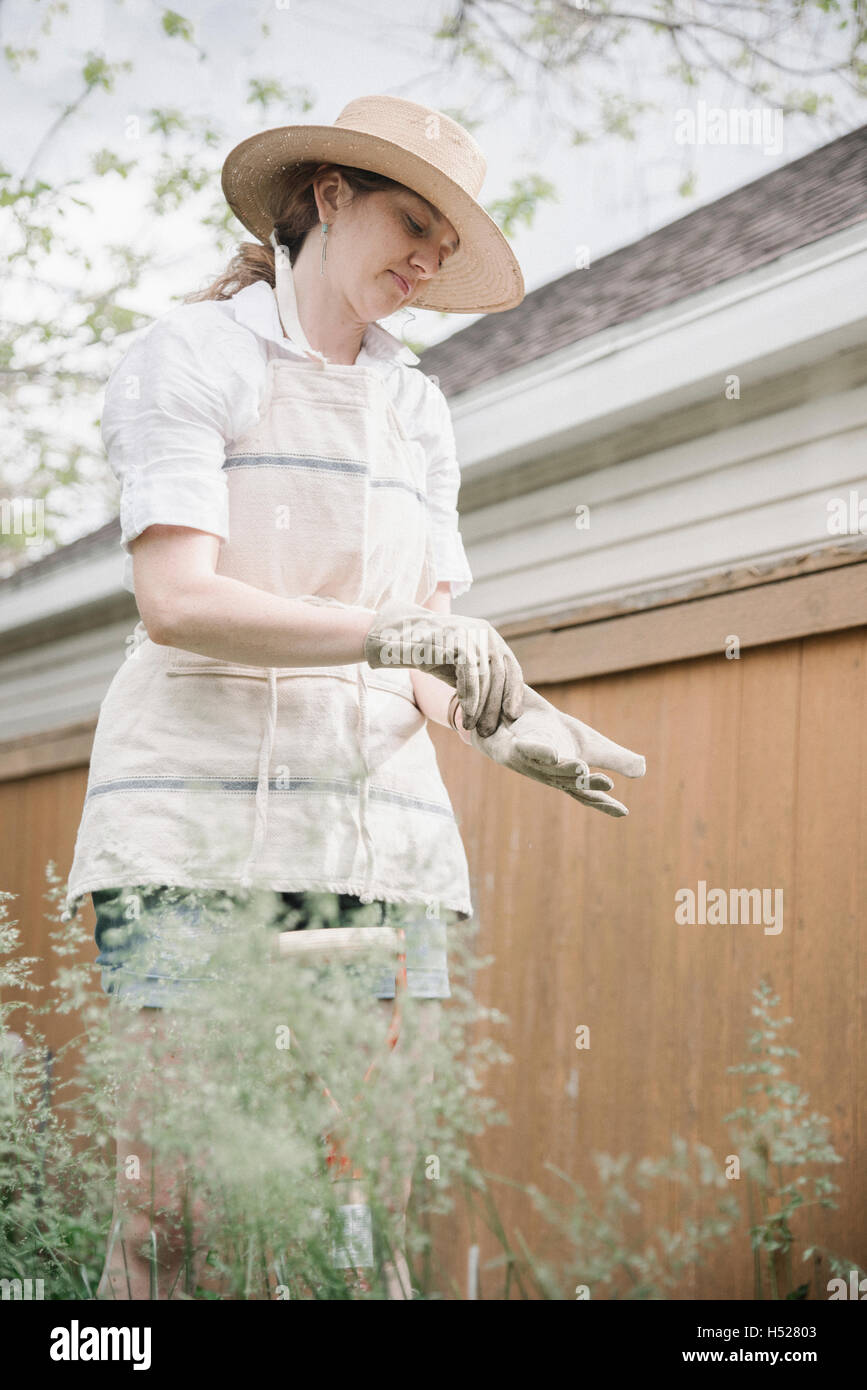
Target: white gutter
x=770 y=317
x=64 y=589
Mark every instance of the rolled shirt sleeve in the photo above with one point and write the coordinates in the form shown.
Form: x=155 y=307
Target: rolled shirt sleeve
x=191 y=384
x=443 y=485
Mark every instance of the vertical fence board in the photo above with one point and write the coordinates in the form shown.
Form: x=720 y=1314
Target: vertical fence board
x=828 y=918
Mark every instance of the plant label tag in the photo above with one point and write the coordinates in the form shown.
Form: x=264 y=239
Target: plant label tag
x=357 y=1236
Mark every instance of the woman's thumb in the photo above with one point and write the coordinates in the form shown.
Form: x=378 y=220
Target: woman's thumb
x=600 y=751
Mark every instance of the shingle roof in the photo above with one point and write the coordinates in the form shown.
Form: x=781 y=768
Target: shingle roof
x=97 y=542
x=820 y=193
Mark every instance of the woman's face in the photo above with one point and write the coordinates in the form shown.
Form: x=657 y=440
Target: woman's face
x=390 y=243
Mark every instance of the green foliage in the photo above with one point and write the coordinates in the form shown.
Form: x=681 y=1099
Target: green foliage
x=554 y=43
x=11 y=194
x=99 y=73
x=52 y=1197
x=176 y=26
x=228 y=1092
x=73 y=299
x=223 y=1102
x=521 y=203
x=768 y=1133
x=608 y=1253
x=17 y=57
x=266 y=91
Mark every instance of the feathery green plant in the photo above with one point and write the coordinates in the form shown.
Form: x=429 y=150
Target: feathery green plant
x=228 y=1094
x=767 y=1137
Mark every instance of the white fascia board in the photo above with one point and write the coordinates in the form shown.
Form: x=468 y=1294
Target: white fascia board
x=797 y=309
x=63 y=590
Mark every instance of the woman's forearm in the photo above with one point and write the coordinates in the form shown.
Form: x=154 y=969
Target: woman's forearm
x=232 y=621
x=432 y=697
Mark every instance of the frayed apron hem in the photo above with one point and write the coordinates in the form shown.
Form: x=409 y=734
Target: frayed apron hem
x=355 y=886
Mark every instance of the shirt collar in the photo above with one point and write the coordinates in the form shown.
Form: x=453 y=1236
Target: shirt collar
x=256 y=308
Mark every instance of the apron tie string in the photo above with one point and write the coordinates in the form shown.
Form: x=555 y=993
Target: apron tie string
x=266 y=748
x=364 y=786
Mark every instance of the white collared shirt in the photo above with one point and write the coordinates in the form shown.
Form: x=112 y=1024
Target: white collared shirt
x=193 y=383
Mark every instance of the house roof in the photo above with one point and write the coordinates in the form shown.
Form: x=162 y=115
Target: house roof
x=802 y=202
x=97 y=542
x=820 y=193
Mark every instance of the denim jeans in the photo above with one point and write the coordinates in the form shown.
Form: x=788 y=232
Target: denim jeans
x=153 y=944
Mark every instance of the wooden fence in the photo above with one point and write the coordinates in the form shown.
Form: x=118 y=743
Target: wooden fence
x=756 y=778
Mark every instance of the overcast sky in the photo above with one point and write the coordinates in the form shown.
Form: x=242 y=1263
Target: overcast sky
x=611 y=192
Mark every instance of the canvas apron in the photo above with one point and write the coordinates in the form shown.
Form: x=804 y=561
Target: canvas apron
x=212 y=773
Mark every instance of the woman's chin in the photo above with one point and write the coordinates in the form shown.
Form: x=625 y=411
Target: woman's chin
x=384 y=305
x=398 y=294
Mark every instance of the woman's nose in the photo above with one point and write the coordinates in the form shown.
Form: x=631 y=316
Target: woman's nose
x=424 y=263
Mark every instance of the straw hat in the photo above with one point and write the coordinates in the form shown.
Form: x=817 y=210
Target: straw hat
x=417 y=146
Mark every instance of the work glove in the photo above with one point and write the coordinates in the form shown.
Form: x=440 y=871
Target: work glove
x=467 y=653
x=558 y=750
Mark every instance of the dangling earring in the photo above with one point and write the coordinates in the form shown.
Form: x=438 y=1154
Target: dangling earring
x=324 y=240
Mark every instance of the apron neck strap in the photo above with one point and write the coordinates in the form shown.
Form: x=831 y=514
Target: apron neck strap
x=287 y=303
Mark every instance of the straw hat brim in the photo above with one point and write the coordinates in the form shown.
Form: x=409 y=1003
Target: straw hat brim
x=483 y=276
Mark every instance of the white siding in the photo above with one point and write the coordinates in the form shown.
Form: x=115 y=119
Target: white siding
x=751 y=493
x=61 y=682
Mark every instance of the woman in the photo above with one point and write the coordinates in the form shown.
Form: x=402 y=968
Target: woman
x=288 y=509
